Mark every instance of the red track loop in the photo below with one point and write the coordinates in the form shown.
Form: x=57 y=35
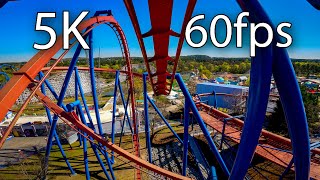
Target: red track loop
x=76 y=121
x=26 y=75
x=19 y=82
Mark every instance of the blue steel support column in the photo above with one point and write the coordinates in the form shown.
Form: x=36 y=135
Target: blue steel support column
x=164 y=119
x=105 y=153
x=70 y=108
x=125 y=105
x=114 y=110
x=85 y=157
x=146 y=116
x=126 y=116
x=261 y=68
x=222 y=133
x=93 y=84
x=51 y=89
x=47 y=83
x=83 y=98
x=76 y=93
x=185 y=137
x=76 y=97
x=77 y=105
x=225 y=121
x=213 y=174
x=215 y=99
x=293 y=106
x=286 y=170
x=129 y=123
x=61 y=97
x=43 y=90
x=275 y=60
x=197 y=116
x=53 y=92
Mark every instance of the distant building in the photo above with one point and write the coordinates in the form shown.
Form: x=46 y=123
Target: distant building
x=239 y=94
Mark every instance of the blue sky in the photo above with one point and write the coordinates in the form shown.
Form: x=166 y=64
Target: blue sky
x=17 y=19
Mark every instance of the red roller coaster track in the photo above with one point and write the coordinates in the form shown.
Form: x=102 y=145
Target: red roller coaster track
x=26 y=75
x=74 y=119
x=160 y=15
x=271 y=143
x=161 y=81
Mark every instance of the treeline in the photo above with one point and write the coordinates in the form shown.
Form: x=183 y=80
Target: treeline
x=213 y=66
x=277 y=122
x=306 y=68
x=204 y=64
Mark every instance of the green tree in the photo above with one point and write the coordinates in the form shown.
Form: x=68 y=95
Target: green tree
x=247 y=83
x=225 y=67
x=235 y=69
x=207 y=73
x=311 y=104
x=277 y=121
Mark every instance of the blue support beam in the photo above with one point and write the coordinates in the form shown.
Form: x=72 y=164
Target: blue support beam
x=93 y=86
x=286 y=170
x=189 y=100
x=215 y=99
x=60 y=100
x=213 y=174
x=84 y=101
x=116 y=82
x=164 y=119
x=91 y=125
x=126 y=106
x=261 y=68
x=43 y=90
x=185 y=138
x=268 y=61
x=146 y=117
x=146 y=111
x=76 y=97
x=51 y=89
x=77 y=105
x=70 y=108
x=93 y=83
x=125 y=103
x=225 y=121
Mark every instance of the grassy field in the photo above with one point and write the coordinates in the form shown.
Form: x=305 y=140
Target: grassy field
x=31 y=167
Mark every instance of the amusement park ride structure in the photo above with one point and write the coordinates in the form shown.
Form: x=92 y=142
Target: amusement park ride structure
x=268 y=61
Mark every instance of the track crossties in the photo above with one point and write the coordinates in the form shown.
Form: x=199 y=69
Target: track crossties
x=160 y=31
